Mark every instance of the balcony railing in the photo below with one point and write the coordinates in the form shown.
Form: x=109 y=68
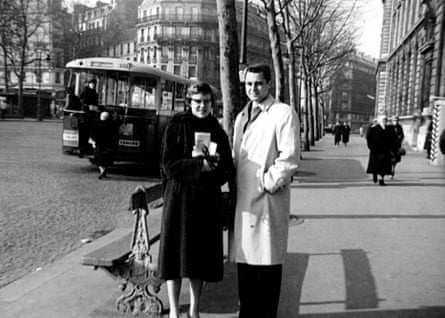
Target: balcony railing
x=182 y=18
x=185 y=37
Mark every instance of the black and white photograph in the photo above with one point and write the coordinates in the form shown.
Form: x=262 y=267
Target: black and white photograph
x=222 y=158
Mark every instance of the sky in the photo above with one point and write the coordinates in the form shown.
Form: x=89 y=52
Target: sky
x=369 y=24
x=369 y=27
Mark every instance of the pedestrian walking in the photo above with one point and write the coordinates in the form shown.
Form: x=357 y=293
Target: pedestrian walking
x=3 y=107
x=345 y=133
x=105 y=140
x=191 y=243
x=381 y=142
x=90 y=104
x=399 y=151
x=362 y=130
x=267 y=151
x=428 y=140
x=337 y=133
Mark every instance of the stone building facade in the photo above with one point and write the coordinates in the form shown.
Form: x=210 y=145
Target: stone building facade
x=182 y=37
x=411 y=69
x=351 y=98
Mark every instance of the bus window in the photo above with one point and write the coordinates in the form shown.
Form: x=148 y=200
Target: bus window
x=167 y=95
x=110 y=89
x=122 y=93
x=180 y=92
x=143 y=93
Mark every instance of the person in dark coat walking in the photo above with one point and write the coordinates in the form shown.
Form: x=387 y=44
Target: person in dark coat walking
x=345 y=133
x=191 y=244
x=399 y=135
x=381 y=143
x=105 y=140
x=337 y=133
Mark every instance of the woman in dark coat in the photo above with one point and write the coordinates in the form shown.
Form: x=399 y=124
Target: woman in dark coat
x=381 y=142
x=191 y=230
x=345 y=132
x=337 y=133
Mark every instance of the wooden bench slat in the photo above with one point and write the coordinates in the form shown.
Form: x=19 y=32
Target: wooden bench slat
x=113 y=253
x=110 y=254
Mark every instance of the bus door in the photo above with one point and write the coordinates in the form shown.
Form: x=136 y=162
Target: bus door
x=137 y=131
x=77 y=120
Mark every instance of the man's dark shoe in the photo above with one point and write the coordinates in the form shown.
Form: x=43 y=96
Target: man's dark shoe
x=382 y=183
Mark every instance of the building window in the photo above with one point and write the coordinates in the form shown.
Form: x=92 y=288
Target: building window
x=195 y=13
x=195 y=32
x=58 y=78
x=142 y=36
x=177 y=69
x=179 y=13
x=177 y=52
x=163 y=67
x=192 y=71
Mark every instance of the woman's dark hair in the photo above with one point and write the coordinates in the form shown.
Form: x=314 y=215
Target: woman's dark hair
x=260 y=68
x=199 y=87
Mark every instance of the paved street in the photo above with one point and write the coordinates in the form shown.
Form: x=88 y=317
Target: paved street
x=49 y=202
x=356 y=249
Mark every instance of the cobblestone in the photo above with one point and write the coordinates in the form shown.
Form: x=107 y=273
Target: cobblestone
x=49 y=202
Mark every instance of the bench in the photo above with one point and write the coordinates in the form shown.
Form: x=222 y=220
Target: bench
x=128 y=260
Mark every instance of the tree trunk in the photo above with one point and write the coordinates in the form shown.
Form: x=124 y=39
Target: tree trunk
x=306 y=144
x=275 y=47
x=229 y=70
x=317 y=134
x=310 y=110
x=291 y=77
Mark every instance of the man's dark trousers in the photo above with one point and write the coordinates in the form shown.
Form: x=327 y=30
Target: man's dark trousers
x=259 y=290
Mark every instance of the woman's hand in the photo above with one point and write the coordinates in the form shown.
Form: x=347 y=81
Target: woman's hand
x=209 y=163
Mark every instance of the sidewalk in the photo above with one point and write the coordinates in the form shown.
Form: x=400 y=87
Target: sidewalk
x=356 y=249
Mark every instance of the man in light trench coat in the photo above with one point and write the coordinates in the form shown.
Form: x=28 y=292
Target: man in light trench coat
x=266 y=148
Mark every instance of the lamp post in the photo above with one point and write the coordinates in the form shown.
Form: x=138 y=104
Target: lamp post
x=39 y=82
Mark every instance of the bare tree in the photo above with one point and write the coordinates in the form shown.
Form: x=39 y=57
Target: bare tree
x=7 y=12
x=321 y=31
x=229 y=56
x=275 y=46
x=24 y=38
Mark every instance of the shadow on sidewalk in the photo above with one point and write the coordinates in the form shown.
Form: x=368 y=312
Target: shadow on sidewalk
x=426 y=312
x=316 y=170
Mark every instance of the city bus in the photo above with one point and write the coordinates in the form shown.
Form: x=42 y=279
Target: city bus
x=140 y=97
